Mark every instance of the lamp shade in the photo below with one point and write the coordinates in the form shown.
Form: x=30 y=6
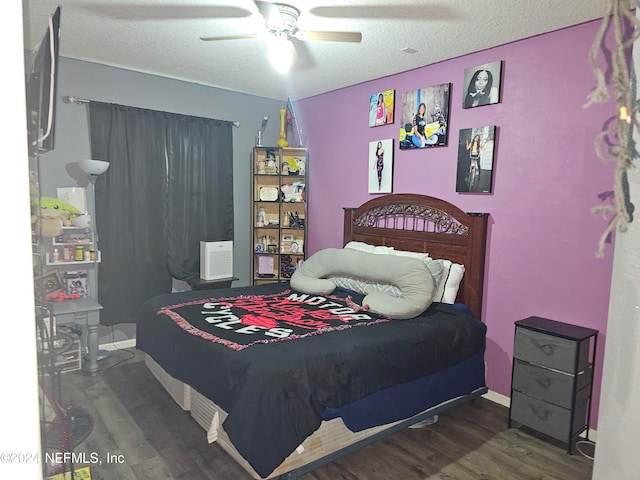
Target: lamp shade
x=93 y=167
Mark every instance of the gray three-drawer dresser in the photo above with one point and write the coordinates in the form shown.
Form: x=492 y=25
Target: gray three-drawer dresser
x=552 y=378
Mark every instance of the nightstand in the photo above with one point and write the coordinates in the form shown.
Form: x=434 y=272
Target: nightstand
x=552 y=378
x=198 y=283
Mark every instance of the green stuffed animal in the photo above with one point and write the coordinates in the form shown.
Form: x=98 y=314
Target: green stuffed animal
x=49 y=203
x=53 y=212
x=56 y=204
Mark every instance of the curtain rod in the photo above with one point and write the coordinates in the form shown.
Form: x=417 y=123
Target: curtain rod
x=82 y=101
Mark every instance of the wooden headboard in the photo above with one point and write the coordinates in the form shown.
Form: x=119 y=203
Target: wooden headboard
x=420 y=223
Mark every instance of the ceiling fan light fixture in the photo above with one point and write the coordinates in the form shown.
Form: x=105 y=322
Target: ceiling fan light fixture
x=280 y=23
x=284 y=24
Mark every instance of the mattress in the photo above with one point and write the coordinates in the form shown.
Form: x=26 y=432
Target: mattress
x=276 y=390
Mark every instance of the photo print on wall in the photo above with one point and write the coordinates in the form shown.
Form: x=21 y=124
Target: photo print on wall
x=381 y=107
x=381 y=166
x=424 y=117
x=475 y=159
x=482 y=85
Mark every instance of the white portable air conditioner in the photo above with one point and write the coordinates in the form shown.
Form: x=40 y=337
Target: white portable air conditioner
x=216 y=260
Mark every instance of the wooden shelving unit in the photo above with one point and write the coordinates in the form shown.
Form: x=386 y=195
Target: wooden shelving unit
x=279 y=212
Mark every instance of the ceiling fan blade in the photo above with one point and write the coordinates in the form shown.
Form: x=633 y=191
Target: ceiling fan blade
x=136 y=11
x=354 y=37
x=399 y=12
x=270 y=12
x=230 y=37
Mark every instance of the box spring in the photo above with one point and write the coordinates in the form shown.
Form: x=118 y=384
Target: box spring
x=332 y=435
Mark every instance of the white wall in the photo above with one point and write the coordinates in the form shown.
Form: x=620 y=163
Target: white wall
x=19 y=402
x=619 y=426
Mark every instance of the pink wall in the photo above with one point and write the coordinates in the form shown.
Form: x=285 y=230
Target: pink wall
x=542 y=241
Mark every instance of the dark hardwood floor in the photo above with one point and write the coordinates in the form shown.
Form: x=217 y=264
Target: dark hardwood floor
x=139 y=432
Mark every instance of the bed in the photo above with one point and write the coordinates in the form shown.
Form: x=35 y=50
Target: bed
x=283 y=398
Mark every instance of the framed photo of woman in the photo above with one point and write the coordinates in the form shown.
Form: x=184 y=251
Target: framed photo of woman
x=381 y=107
x=476 y=147
x=381 y=166
x=482 y=85
x=424 y=117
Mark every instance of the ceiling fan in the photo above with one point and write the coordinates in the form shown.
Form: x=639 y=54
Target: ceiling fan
x=281 y=23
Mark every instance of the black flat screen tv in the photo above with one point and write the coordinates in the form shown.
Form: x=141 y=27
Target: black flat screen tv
x=41 y=89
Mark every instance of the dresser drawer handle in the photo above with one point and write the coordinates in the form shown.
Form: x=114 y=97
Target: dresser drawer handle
x=542 y=415
x=544 y=382
x=547 y=348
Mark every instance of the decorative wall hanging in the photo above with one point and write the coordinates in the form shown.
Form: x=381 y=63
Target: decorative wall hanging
x=482 y=85
x=424 y=117
x=291 y=122
x=475 y=159
x=381 y=108
x=381 y=166
x=618 y=134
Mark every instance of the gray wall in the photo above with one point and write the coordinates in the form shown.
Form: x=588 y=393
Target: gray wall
x=92 y=81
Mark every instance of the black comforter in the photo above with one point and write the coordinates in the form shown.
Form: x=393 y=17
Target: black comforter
x=275 y=393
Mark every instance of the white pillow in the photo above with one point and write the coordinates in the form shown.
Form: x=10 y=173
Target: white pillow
x=448 y=286
x=365 y=247
x=406 y=253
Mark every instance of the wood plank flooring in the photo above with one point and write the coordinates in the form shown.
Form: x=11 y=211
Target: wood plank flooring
x=137 y=422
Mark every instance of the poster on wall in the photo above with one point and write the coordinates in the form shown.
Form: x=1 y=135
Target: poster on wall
x=475 y=159
x=381 y=166
x=424 y=117
x=381 y=107
x=482 y=85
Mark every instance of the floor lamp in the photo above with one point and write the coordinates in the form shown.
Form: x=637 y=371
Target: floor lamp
x=93 y=169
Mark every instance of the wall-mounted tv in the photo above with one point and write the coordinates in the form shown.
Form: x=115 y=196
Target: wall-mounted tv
x=41 y=89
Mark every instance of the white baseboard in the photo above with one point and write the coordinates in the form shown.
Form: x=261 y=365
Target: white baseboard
x=498 y=398
x=506 y=402
x=122 y=344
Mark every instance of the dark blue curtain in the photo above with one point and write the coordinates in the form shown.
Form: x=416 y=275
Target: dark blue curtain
x=169 y=186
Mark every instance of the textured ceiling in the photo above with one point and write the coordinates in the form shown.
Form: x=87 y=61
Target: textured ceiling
x=163 y=37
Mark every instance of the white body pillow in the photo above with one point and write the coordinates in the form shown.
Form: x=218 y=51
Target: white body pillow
x=410 y=275
x=436 y=267
x=448 y=275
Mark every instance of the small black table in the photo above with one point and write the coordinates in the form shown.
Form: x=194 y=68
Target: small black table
x=198 y=283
